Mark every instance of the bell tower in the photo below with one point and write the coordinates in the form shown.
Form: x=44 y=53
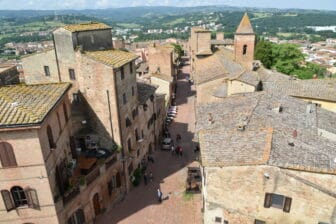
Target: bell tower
x=244 y=43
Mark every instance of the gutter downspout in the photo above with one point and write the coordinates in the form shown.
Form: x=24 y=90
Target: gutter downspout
x=57 y=62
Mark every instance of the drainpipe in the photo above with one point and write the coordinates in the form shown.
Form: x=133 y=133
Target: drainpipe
x=110 y=114
x=57 y=62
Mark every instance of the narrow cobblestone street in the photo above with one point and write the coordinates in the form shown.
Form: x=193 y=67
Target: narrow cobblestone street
x=170 y=172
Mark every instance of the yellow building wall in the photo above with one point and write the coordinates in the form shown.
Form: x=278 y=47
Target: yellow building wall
x=235 y=87
x=331 y=106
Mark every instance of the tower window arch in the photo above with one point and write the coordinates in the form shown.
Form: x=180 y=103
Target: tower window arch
x=244 y=49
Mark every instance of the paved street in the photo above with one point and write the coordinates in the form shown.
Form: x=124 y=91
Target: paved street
x=170 y=172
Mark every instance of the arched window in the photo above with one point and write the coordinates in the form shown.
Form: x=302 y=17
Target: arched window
x=244 y=49
x=65 y=113
x=50 y=138
x=7 y=156
x=19 y=196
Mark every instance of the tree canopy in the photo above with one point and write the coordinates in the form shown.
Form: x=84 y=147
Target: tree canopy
x=288 y=59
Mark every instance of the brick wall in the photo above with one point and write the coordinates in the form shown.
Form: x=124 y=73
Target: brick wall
x=239 y=42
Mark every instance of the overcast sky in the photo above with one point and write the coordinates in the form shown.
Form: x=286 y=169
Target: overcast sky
x=101 y=4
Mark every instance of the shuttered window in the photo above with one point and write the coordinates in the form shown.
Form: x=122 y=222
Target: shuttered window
x=19 y=196
x=277 y=201
x=7 y=156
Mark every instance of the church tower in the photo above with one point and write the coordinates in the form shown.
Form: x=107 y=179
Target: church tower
x=244 y=42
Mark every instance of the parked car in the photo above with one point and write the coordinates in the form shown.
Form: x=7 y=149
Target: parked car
x=167 y=144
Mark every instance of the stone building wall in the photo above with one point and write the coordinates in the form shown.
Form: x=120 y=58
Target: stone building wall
x=245 y=59
x=203 y=42
x=33 y=66
x=160 y=61
x=9 y=75
x=165 y=87
x=237 y=194
x=36 y=166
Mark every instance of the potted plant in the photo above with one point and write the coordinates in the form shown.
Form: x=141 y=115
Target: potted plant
x=82 y=183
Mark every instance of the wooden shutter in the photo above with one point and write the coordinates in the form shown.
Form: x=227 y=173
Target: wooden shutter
x=268 y=200
x=287 y=205
x=118 y=180
x=8 y=201
x=110 y=187
x=33 y=201
x=7 y=155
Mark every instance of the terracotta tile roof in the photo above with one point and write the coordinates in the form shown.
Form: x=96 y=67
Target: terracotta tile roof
x=114 y=58
x=28 y=104
x=250 y=78
x=145 y=91
x=218 y=65
x=245 y=26
x=86 y=27
x=250 y=147
x=323 y=89
x=307 y=150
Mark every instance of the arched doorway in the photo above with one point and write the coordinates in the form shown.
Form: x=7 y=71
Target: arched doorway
x=150 y=150
x=96 y=204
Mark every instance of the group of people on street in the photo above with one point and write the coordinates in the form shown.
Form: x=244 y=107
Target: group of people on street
x=178 y=150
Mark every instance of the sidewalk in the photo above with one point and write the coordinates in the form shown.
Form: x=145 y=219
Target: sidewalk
x=170 y=173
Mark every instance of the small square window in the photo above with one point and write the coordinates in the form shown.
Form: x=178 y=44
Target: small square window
x=46 y=70
x=218 y=219
x=124 y=99
x=72 y=74
x=257 y=221
x=122 y=74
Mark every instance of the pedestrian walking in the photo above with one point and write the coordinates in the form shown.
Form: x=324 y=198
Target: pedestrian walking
x=172 y=150
x=177 y=150
x=159 y=194
x=150 y=176
x=180 y=151
x=178 y=137
x=145 y=178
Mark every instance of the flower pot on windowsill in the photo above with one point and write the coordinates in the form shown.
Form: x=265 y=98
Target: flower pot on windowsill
x=82 y=183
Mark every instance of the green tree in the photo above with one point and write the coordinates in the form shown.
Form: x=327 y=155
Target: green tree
x=179 y=50
x=264 y=53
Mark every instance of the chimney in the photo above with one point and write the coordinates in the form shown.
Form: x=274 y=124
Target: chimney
x=219 y=36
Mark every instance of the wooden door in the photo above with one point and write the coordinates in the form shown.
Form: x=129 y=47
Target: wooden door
x=96 y=204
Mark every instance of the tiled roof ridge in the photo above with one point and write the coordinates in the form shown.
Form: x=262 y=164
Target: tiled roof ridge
x=245 y=26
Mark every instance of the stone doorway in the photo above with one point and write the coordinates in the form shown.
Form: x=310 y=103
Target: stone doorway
x=96 y=204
